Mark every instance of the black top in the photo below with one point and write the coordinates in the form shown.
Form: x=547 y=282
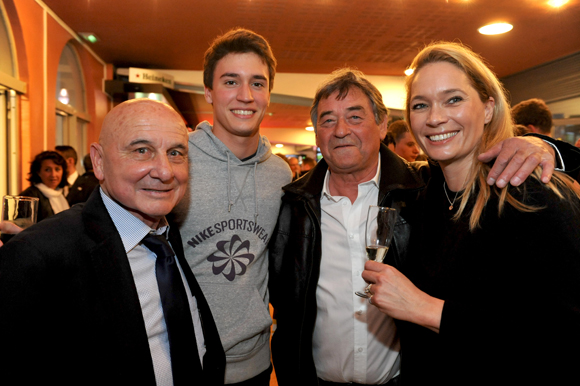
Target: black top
x=82 y=188
x=511 y=291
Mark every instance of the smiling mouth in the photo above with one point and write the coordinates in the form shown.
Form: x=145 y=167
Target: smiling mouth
x=442 y=137
x=158 y=191
x=243 y=112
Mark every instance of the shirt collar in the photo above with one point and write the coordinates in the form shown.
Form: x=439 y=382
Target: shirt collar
x=130 y=228
x=373 y=181
x=72 y=178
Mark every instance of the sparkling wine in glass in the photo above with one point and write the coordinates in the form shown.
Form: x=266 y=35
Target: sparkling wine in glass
x=379 y=233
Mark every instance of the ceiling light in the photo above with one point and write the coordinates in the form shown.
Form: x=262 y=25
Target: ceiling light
x=557 y=3
x=409 y=71
x=279 y=145
x=309 y=128
x=495 y=29
x=89 y=37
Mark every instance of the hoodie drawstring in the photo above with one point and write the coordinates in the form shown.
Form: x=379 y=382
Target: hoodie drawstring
x=255 y=193
x=241 y=190
x=230 y=203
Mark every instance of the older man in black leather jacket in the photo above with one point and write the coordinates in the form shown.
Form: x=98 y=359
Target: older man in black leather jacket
x=296 y=255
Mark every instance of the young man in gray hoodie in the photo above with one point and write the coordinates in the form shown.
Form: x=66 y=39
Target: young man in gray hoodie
x=228 y=216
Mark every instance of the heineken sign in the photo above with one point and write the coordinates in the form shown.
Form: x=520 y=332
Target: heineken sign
x=141 y=75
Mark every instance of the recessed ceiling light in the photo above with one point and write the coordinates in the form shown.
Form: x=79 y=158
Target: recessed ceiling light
x=495 y=29
x=309 y=128
x=409 y=71
x=279 y=145
x=557 y=3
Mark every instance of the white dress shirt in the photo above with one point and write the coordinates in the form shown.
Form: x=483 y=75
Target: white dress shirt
x=353 y=341
x=72 y=178
x=142 y=262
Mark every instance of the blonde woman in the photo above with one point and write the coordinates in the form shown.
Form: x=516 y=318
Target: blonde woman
x=491 y=293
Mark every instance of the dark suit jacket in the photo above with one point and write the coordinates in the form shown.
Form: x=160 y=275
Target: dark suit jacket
x=82 y=188
x=69 y=309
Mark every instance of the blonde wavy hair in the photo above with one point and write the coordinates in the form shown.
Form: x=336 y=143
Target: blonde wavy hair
x=499 y=128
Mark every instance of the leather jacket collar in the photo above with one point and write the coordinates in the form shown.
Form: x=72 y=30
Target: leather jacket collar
x=396 y=174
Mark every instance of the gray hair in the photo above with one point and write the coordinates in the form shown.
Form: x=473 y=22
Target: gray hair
x=342 y=80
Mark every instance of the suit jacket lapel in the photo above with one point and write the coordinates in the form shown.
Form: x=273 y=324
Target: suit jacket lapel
x=118 y=304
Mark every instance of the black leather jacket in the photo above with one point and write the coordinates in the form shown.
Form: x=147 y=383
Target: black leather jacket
x=295 y=254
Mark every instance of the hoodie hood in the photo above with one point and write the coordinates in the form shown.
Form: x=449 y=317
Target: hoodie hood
x=204 y=140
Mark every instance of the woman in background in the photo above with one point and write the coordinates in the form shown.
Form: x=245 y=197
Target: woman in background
x=491 y=292
x=47 y=179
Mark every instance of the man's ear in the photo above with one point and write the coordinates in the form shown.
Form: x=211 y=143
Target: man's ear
x=383 y=128
x=97 y=160
x=207 y=94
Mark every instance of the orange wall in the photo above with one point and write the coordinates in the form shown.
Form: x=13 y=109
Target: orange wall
x=31 y=26
x=98 y=103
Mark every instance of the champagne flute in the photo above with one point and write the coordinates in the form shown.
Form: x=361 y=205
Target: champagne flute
x=379 y=233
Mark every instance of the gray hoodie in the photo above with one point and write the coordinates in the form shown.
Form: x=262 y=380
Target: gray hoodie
x=226 y=220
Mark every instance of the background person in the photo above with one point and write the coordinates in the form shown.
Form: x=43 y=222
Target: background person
x=47 y=179
x=84 y=185
x=473 y=311
x=71 y=158
x=307 y=165
x=294 y=166
x=535 y=115
x=405 y=144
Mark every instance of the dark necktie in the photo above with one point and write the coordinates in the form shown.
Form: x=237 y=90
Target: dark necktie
x=185 y=362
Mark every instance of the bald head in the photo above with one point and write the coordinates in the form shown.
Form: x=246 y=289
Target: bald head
x=141 y=158
x=132 y=112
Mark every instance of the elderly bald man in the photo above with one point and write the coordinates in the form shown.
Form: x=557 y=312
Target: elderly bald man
x=101 y=293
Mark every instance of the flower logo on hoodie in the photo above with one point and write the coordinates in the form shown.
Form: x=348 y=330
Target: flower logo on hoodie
x=232 y=259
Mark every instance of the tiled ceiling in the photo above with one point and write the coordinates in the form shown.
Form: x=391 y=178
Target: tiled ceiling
x=380 y=37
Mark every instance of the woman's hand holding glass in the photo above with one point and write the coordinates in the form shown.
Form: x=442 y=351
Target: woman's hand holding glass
x=380 y=228
x=395 y=295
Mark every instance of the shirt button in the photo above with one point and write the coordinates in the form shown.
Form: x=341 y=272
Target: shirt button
x=351 y=236
x=360 y=349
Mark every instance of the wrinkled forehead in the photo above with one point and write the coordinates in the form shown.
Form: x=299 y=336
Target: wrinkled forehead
x=351 y=98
